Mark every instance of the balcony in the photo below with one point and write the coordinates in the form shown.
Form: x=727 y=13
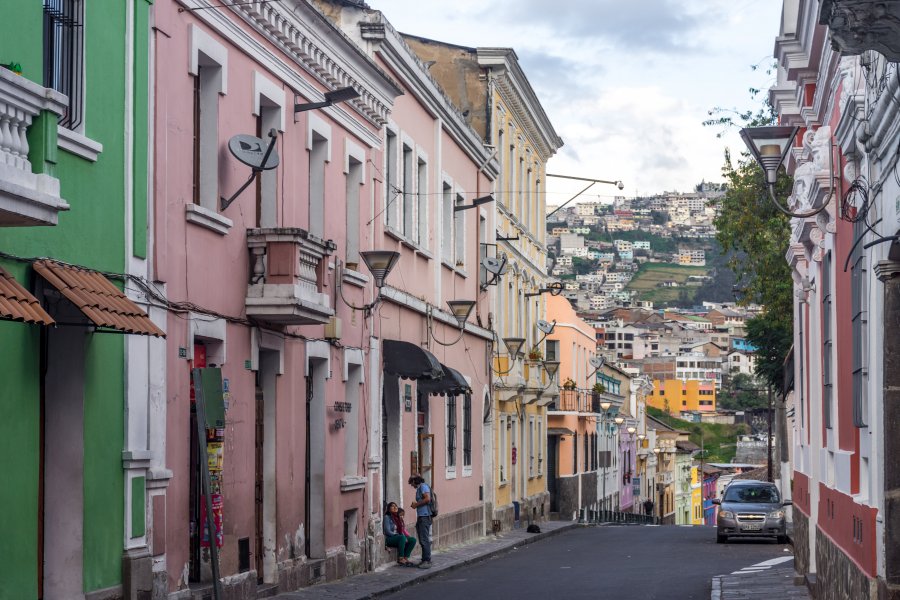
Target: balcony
x=287 y=277
x=859 y=25
x=28 y=198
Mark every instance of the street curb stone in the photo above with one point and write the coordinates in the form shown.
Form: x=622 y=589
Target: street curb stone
x=376 y=584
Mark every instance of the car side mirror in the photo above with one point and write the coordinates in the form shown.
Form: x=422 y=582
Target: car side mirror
x=716 y=501
x=787 y=502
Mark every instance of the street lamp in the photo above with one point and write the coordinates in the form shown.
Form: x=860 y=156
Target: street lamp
x=379 y=263
x=461 y=309
x=769 y=147
x=617 y=183
x=332 y=97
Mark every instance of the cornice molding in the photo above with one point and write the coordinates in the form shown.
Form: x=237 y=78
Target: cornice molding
x=517 y=93
x=322 y=52
x=393 y=49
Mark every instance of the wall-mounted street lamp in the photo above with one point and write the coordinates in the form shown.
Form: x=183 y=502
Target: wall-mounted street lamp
x=554 y=288
x=460 y=309
x=475 y=202
x=631 y=429
x=379 y=263
x=332 y=97
x=619 y=420
x=770 y=146
x=616 y=183
x=642 y=436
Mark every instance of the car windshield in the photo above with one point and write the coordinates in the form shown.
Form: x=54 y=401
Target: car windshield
x=752 y=494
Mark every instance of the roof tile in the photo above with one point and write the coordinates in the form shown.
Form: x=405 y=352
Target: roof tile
x=17 y=304
x=101 y=302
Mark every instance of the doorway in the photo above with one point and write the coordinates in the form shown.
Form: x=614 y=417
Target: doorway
x=552 y=470
x=61 y=491
x=315 y=458
x=391 y=467
x=265 y=456
x=195 y=493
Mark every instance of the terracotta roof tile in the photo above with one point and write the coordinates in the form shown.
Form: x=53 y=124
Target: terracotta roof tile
x=95 y=295
x=17 y=304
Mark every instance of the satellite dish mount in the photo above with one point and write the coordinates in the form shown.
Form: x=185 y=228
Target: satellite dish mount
x=253 y=152
x=496 y=267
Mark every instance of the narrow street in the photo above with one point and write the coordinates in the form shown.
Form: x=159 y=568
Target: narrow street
x=616 y=562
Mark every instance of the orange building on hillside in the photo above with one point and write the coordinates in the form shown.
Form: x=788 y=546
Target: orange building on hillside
x=675 y=396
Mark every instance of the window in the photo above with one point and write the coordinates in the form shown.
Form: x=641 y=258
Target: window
x=266 y=182
x=858 y=307
x=552 y=349
x=827 y=350
x=353 y=169
x=587 y=452
x=447 y=224
x=408 y=192
x=208 y=65
x=459 y=232
x=531 y=447
x=351 y=432
x=451 y=431
x=467 y=431
x=503 y=452
x=64 y=56
x=391 y=189
x=421 y=237
x=319 y=145
x=540 y=444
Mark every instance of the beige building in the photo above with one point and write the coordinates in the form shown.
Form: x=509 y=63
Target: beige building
x=489 y=87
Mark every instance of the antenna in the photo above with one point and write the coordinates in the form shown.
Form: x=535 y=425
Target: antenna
x=496 y=267
x=545 y=327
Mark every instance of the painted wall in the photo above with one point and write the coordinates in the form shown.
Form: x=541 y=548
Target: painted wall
x=90 y=234
x=674 y=395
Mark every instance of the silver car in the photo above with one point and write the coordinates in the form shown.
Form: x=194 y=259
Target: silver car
x=751 y=508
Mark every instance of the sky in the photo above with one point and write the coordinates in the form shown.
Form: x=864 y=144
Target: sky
x=627 y=84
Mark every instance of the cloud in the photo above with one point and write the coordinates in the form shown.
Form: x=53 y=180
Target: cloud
x=657 y=26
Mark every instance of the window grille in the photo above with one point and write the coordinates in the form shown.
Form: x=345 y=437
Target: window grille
x=451 y=431
x=827 y=343
x=467 y=430
x=63 y=55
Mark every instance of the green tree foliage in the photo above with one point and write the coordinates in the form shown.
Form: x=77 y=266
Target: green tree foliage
x=741 y=392
x=583 y=266
x=757 y=236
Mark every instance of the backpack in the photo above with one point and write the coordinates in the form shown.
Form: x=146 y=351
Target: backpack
x=433 y=503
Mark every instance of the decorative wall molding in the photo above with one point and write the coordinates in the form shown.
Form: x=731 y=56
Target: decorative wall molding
x=856 y=26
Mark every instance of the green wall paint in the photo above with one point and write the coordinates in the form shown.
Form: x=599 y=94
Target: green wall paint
x=19 y=453
x=138 y=527
x=104 y=485
x=141 y=117
x=90 y=234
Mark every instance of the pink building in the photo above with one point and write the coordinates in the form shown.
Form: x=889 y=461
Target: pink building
x=330 y=399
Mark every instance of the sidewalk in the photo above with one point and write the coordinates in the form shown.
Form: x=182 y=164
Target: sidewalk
x=392 y=578
x=759 y=581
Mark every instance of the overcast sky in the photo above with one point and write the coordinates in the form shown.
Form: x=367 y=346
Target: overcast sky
x=626 y=83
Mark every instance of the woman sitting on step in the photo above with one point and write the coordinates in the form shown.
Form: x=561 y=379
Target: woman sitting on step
x=396 y=535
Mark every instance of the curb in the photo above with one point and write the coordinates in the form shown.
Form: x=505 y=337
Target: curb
x=716 y=593
x=435 y=571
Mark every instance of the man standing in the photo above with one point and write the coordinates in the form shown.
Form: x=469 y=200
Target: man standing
x=423 y=517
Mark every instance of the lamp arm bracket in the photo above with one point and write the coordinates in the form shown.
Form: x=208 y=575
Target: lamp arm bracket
x=806 y=215
x=430 y=325
x=366 y=308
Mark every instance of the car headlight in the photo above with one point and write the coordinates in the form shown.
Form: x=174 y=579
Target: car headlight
x=776 y=514
x=726 y=514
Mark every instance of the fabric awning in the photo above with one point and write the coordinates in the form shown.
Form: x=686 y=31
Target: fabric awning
x=559 y=431
x=410 y=361
x=95 y=296
x=451 y=383
x=18 y=304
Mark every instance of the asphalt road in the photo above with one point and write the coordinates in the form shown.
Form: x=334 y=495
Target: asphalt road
x=615 y=562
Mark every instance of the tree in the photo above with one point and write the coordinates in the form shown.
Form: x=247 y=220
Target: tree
x=740 y=392
x=757 y=235
x=583 y=266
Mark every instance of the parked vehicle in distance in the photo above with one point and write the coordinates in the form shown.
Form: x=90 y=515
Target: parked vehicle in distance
x=751 y=508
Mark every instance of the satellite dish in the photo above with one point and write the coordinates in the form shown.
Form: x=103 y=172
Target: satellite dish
x=596 y=361
x=545 y=327
x=251 y=151
x=555 y=288
x=493 y=265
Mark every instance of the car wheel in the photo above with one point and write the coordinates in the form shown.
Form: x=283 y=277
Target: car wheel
x=782 y=539
x=721 y=539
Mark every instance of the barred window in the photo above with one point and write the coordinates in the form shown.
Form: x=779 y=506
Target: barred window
x=451 y=431
x=827 y=342
x=64 y=55
x=467 y=430
x=860 y=330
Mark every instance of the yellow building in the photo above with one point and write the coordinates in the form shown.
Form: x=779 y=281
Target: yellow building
x=675 y=396
x=696 y=497
x=490 y=89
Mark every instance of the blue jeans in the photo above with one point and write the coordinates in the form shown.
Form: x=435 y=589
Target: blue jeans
x=423 y=530
x=403 y=544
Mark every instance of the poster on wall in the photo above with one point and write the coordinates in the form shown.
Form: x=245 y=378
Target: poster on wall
x=217 y=522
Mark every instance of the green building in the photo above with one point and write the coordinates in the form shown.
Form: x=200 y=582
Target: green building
x=73 y=190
